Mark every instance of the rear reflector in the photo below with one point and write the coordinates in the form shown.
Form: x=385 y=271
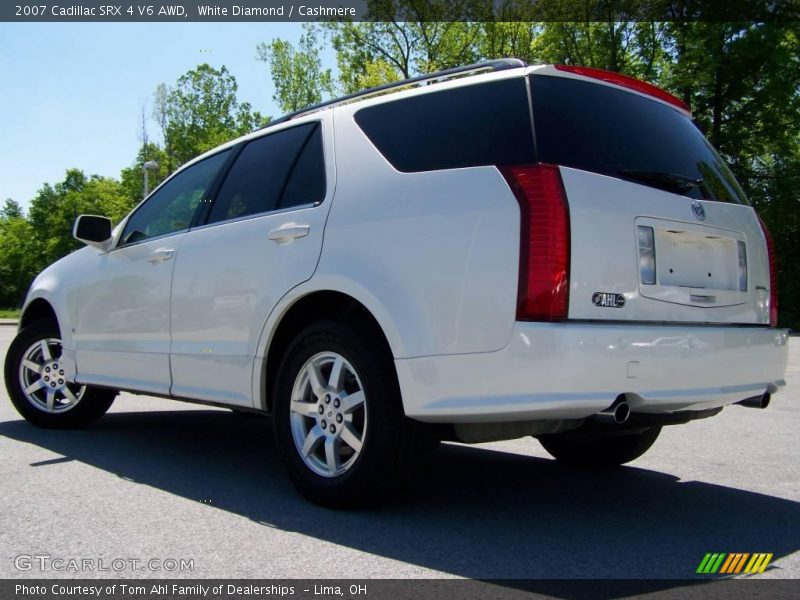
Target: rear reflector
x=625 y=81
x=773 y=276
x=543 y=293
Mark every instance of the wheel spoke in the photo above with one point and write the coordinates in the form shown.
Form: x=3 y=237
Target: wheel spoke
x=45 y=350
x=51 y=399
x=69 y=395
x=336 y=380
x=350 y=437
x=352 y=401
x=39 y=383
x=332 y=454
x=316 y=380
x=32 y=366
x=307 y=409
x=313 y=439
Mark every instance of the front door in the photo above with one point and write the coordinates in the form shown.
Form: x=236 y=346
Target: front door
x=122 y=320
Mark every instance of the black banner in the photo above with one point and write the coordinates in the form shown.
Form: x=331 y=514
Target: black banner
x=399 y=10
x=373 y=589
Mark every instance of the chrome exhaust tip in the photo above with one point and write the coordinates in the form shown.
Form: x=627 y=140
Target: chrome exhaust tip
x=616 y=414
x=757 y=401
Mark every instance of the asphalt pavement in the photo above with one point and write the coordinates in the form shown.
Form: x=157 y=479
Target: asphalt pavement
x=164 y=480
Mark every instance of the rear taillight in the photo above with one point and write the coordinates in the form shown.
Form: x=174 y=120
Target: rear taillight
x=773 y=276
x=625 y=81
x=544 y=241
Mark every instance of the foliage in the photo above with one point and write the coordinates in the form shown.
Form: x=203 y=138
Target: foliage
x=201 y=112
x=297 y=74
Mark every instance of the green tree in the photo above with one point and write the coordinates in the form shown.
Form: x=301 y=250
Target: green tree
x=17 y=259
x=11 y=210
x=54 y=209
x=297 y=73
x=132 y=178
x=202 y=111
x=742 y=81
x=403 y=47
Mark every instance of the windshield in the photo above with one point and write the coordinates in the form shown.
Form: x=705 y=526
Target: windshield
x=613 y=132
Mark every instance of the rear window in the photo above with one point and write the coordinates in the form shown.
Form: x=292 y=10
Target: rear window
x=474 y=125
x=604 y=130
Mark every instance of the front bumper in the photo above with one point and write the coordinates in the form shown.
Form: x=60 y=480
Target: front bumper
x=573 y=370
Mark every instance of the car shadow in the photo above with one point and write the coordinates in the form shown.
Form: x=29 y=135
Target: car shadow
x=470 y=512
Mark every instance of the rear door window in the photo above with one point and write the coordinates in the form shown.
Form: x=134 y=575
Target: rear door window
x=604 y=130
x=278 y=170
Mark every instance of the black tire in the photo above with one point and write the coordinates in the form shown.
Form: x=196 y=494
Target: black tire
x=600 y=451
x=388 y=451
x=92 y=405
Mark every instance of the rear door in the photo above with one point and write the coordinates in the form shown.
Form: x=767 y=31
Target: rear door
x=660 y=230
x=261 y=237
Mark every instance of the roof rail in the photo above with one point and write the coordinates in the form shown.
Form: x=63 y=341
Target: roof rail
x=500 y=64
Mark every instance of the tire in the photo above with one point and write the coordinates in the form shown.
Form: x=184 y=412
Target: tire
x=52 y=403
x=600 y=451
x=368 y=454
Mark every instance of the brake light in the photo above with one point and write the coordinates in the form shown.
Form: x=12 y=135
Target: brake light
x=626 y=81
x=543 y=292
x=773 y=276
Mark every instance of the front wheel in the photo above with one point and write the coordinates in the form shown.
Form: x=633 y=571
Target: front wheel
x=338 y=418
x=38 y=388
x=600 y=451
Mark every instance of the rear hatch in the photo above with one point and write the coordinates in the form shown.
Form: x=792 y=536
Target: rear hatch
x=659 y=228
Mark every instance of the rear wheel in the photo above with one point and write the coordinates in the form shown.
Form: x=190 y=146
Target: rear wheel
x=600 y=451
x=339 y=422
x=38 y=388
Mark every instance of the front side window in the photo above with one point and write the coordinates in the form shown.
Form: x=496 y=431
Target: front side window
x=171 y=207
x=279 y=170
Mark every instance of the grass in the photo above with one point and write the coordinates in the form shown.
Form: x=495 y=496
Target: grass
x=9 y=313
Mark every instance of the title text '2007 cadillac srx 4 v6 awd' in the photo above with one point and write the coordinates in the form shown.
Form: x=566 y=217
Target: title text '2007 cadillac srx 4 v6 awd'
x=483 y=253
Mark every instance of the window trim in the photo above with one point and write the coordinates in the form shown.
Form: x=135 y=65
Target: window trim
x=120 y=244
x=202 y=218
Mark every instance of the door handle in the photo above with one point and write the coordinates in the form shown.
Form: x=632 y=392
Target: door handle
x=161 y=255
x=287 y=233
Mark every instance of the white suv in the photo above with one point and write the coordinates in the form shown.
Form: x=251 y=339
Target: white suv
x=483 y=253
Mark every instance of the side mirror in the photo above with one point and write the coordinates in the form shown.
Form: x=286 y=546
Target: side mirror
x=92 y=230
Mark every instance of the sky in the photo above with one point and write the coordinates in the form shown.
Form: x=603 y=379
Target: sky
x=71 y=94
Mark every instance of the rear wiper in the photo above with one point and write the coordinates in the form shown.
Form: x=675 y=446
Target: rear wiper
x=671 y=182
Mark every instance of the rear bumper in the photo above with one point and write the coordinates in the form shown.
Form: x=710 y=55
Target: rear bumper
x=573 y=370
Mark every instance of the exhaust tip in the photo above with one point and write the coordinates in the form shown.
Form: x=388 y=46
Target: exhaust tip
x=622 y=412
x=616 y=414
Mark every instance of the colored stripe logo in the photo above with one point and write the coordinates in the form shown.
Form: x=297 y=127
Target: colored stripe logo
x=732 y=563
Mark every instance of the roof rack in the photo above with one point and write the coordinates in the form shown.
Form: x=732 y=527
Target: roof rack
x=500 y=64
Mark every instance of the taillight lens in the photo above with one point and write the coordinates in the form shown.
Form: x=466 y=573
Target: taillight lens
x=626 y=81
x=773 y=276
x=544 y=238
x=647 y=255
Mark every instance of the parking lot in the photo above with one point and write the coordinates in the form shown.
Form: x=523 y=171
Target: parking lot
x=164 y=480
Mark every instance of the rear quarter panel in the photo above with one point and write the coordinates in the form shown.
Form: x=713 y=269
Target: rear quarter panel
x=438 y=250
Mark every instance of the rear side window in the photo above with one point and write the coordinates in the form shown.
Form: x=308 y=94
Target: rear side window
x=604 y=130
x=474 y=125
x=276 y=171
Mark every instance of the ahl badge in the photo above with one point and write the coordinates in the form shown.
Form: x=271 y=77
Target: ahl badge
x=608 y=300
x=699 y=211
